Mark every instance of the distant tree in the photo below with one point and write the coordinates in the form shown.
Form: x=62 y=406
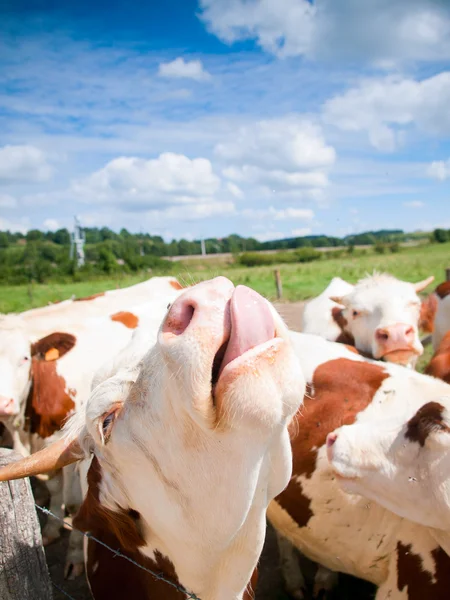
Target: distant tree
x=61 y=237
x=4 y=239
x=34 y=235
x=440 y=236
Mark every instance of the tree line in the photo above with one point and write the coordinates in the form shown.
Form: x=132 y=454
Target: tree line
x=41 y=256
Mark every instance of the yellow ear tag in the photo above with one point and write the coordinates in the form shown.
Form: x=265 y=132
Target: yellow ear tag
x=52 y=354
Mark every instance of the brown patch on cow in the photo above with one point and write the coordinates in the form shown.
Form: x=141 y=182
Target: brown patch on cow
x=422 y=584
x=176 y=285
x=92 y=297
x=439 y=365
x=352 y=349
x=110 y=576
x=48 y=403
x=59 y=342
x=338 y=317
x=126 y=318
x=443 y=289
x=428 y=309
x=428 y=419
x=340 y=389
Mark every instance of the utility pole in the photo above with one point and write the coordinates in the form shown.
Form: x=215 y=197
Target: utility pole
x=202 y=242
x=77 y=241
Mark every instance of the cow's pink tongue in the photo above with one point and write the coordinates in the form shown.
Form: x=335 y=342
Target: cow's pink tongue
x=251 y=323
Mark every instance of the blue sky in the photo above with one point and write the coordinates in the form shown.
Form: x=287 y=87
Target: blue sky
x=268 y=118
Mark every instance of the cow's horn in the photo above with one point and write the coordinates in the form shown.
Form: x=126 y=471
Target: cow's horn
x=58 y=455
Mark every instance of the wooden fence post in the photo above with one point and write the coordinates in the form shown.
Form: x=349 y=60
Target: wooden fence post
x=23 y=569
x=278 y=284
x=447 y=274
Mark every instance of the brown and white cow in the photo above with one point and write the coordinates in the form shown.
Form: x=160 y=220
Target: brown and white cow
x=401 y=460
x=344 y=532
x=57 y=371
x=380 y=317
x=428 y=308
x=188 y=449
x=442 y=318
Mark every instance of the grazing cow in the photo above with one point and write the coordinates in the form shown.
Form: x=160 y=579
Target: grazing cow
x=439 y=365
x=380 y=318
x=401 y=460
x=442 y=318
x=188 y=449
x=321 y=314
x=57 y=372
x=344 y=532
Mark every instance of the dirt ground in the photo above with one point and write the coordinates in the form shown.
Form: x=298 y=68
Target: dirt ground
x=270 y=585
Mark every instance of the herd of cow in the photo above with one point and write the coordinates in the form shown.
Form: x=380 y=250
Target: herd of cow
x=172 y=422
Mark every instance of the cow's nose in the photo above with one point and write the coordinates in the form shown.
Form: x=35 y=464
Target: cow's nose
x=6 y=406
x=397 y=334
x=201 y=301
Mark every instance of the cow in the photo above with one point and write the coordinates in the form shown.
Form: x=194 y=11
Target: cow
x=57 y=370
x=401 y=460
x=439 y=365
x=343 y=532
x=188 y=448
x=380 y=318
x=321 y=314
x=442 y=318
x=18 y=332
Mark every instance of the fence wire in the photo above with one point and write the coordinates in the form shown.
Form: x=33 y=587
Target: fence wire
x=118 y=553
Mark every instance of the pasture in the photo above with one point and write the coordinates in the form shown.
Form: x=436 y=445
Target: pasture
x=300 y=281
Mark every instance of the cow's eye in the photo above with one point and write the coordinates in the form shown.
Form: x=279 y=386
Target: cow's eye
x=24 y=360
x=169 y=305
x=355 y=313
x=107 y=423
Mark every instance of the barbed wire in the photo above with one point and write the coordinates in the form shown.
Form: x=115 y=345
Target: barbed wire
x=118 y=553
x=55 y=585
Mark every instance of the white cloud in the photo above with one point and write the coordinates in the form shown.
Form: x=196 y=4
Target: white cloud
x=235 y=190
x=384 y=107
x=179 y=69
x=302 y=214
x=277 y=156
x=439 y=169
x=414 y=204
x=51 y=224
x=195 y=212
x=138 y=184
x=374 y=29
x=22 y=164
x=301 y=232
x=267 y=236
x=7 y=201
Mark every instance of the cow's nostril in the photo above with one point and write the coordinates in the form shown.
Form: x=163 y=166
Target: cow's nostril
x=382 y=335
x=331 y=439
x=179 y=317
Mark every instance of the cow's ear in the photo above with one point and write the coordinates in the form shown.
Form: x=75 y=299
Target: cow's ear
x=421 y=285
x=53 y=346
x=429 y=426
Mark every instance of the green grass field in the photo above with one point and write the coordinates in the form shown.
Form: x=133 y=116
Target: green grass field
x=300 y=281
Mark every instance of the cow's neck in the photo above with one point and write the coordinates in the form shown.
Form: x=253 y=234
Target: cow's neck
x=111 y=577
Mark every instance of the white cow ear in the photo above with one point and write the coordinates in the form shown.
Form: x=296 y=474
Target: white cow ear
x=421 y=285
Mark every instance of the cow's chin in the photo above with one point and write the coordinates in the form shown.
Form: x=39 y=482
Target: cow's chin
x=247 y=372
x=404 y=356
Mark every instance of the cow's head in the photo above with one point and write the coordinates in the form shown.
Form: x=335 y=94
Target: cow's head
x=382 y=316
x=194 y=441
x=21 y=360
x=401 y=461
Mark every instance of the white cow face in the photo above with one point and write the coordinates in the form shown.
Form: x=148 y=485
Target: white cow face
x=15 y=365
x=382 y=315
x=196 y=439
x=403 y=464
